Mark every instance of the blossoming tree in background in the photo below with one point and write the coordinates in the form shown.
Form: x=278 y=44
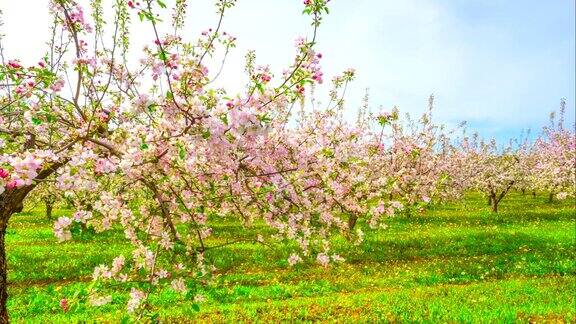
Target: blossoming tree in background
x=554 y=166
x=493 y=170
x=419 y=160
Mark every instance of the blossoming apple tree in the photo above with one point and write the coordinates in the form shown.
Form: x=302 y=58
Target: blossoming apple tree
x=418 y=160
x=553 y=168
x=154 y=149
x=493 y=170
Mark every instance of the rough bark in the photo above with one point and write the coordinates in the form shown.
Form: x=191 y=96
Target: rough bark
x=496 y=198
x=11 y=202
x=3 y=279
x=494 y=202
x=352 y=221
x=49 y=206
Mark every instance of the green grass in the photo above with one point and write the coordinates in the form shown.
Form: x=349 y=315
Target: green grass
x=457 y=262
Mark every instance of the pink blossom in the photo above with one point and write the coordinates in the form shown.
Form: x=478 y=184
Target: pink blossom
x=14 y=64
x=337 y=258
x=13 y=184
x=61 y=228
x=82 y=216
x=64 y=304
x=318 y=76
x=77 y=16
x=199 y=299
x=265 y=78
x=20 y=90
x=157 y=70
x=117 y=264
x=57 y=86
x=136 y=298
x=99 y=300
x=179 y=285
x=294 y=259
x=323 y=259
x=396 y=205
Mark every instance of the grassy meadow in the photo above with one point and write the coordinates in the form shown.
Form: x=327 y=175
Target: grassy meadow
x=457 y=262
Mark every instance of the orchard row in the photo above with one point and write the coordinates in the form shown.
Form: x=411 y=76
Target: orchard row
x=151 y=147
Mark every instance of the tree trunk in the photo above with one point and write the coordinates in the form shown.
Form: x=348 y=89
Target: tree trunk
x=494 y=203
x=489 y=201
x=3 y=279
x=352 y=222
x=533 y=193
x=550 y=197
x=49 y=206
x=11 y=202
x=523 y=192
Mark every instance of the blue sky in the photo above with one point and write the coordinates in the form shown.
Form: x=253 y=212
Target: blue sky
x=500 y=65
